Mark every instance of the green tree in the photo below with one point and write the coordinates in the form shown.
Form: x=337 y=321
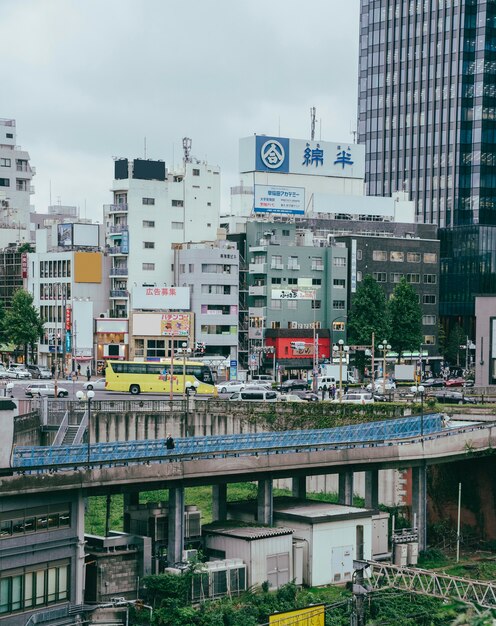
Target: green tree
x=405 y=314
x=367 y=315
x=23 y=325
x=25 y=247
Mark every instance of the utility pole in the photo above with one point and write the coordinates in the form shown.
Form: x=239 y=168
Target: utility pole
x=373 y=361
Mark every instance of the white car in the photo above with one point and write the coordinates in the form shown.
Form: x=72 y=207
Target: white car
x=18 y=372
x=95 y=384
x=45 y=389
x=356 y=397
x=379 y=385
x=230 y=386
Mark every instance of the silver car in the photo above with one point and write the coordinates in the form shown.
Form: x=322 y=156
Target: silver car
x=39 y=390
x=18 y=372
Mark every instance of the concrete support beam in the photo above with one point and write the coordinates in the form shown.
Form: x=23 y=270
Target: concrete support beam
x=175 y=544
x=129 y=499
x=79 y=566
x=345 y=493
x=372 y=489
x=299 y=487
x=219 y=502
x=419 y=502
x=265 y=503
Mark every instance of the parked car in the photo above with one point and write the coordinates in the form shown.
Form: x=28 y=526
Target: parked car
x=230 y=386
x=18 y=372
x=263 y=378
x=292 y=384
x=379 y=385
x=45 y=389
x=290 y=397
x=99 y=383
x=356 y=397
x=452 y=397
x=39 y=371
x=257 y=394
x=309 y=396
x=433 y=382
x=457 y=381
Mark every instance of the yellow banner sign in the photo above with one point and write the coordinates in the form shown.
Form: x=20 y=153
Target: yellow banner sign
x=309 y=616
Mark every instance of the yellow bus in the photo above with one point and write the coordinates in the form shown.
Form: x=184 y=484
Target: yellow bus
x=141 y=377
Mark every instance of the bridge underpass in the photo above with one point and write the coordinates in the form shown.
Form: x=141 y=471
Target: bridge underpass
x=131 y=467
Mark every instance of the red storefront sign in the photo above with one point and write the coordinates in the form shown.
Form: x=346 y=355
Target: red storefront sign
x=68 y=318
x=24 y=265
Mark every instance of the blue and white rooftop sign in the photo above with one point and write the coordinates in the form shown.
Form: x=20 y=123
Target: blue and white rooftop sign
x=282 y=200
x=280 y=155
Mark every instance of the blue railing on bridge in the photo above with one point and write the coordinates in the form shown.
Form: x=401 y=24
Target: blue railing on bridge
x=46 y=458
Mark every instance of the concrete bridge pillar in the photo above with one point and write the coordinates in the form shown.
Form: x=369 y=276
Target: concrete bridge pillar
x=175 y=544
x=219 y=502
x=299 y=487
x=130 y=499
x=345 y=491
x=265 y=502
x=372 y=489
x=419 y=502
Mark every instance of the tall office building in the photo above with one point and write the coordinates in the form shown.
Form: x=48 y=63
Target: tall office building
x=427 y=117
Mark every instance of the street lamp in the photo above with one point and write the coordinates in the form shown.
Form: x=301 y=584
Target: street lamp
x=89 y=397
x=384 y=347
x=421 y=390
x=185 y=352
x=340 y=348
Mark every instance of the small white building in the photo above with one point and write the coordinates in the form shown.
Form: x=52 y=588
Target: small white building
x=329 y=533
x=267 y=552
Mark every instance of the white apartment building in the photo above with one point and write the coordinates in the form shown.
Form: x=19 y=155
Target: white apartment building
x=153 y=208
x=16 y=175
x=70 y=288
x=211 y=271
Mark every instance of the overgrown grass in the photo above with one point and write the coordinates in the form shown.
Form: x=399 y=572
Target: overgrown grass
x=201 y=496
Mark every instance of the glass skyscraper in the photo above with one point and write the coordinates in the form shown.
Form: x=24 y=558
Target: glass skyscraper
x=427 y=116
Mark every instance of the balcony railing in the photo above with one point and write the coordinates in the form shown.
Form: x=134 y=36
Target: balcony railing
x=115 y=208
x=119 y=293
x=257 y=268
x=257 y=290
x=117 y=228
x=116 y=250
x=276 y=266
x=293 y=266
x=317 y=267
x=119 y=271
x=257 y=311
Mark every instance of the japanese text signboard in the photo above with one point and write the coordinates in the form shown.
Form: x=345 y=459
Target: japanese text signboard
x=175 y=324
x=282 y=200
x=160 y=298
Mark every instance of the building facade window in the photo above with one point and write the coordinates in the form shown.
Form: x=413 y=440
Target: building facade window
x=395 y=277
x=148 y=200
x=396 y=256
x=276 y=304
x=339 y=283
x=379 y=255
x=149 y=245
x=413 y=257
x=147 y=266
x=177 y=203
x=429 y=298
x=380 y=277
x=292 y=281
x=338 y=304
x=196 y=172
x=429 y=340
x=292 y=304
x=5 y=162
x=316 y=304
x=177 y=225
x=275 y=280
x=430 y=279
x=148 y=224
x=428 y=320
x=430 y=257
x=276 y=262
x=293 y=263
x=339 y=261
x=413 y=278
x=4 y=182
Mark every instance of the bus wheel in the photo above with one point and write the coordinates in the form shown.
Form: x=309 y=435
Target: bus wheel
x=134 y=389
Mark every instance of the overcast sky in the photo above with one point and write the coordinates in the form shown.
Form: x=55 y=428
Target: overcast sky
x=87 y=80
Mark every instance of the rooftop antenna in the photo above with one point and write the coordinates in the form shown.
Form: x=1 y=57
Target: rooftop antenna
x=313 y=111
x=353 y=131
x=187 y=149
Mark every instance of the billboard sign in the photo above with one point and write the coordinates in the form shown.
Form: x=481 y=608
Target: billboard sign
x=282 y=155
x=292 y=294
x=160 y=298
x=64 y=235
x=175 y=325
x=85 y=235
x=68 y=318
x=282 y=200
x=24 y=265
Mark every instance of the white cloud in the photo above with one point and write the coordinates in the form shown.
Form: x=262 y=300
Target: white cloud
x=89 y=80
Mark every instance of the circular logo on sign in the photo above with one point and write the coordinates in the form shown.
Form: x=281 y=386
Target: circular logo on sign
x=272 y=154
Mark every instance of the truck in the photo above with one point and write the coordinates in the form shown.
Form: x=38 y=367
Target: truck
x=404 y=372
x=332 y=370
